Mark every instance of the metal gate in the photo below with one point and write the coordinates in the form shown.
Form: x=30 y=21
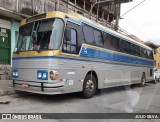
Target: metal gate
x=5 y=46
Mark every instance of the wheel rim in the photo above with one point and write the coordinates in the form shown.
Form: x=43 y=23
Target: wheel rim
x=90 y=86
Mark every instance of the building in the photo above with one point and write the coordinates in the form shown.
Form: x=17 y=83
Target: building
x=157 y=58
x=13 y=11
x=156 y=49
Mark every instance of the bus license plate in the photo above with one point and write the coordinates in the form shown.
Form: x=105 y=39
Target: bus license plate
x=25 y=85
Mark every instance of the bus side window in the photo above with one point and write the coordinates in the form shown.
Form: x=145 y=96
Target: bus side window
x=150 y=54
x=125 y=46
x=111 y=42
x=135 y=50
x=70 y=46
x=88 y=34
x=98 y=38
x=143 y=52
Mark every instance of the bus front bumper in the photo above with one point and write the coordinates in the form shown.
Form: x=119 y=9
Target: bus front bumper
x=39 y=87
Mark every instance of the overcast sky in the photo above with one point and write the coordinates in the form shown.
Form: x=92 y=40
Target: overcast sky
x=143 y=21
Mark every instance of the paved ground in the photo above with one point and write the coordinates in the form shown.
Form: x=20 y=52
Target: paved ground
x=112 y=100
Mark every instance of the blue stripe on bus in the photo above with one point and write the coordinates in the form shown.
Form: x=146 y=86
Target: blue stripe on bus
x=97 y=54
x=88 y=60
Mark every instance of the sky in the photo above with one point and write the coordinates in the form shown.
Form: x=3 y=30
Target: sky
x=143 y=21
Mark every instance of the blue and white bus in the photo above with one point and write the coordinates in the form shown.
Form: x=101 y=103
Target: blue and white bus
x=61 y=53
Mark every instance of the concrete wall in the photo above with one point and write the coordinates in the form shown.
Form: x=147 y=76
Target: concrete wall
x=5 y=70
x=14 y=35
x=5 y=23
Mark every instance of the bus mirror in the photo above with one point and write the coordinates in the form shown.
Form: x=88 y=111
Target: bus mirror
x=68 y=34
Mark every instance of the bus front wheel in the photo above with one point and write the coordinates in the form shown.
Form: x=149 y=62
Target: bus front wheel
x=89 y=86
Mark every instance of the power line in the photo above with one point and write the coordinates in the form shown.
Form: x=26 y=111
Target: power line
x=133 y=8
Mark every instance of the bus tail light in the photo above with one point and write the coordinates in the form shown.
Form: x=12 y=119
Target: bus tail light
x=53 y=75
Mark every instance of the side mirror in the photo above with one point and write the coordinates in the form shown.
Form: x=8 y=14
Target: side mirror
x=67 y=34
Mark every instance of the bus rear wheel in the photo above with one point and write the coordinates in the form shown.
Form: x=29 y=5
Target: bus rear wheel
x=143 y=80
x=89 y=86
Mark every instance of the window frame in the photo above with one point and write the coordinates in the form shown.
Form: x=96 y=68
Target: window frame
x=111 y=36
x=101 y=37
x=66 y=42
x=85 y=25
x=122 y=41
x=93 y=29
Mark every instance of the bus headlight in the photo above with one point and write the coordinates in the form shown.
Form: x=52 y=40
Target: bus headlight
x=15 y=73
x=39 y=75
x=42 y=74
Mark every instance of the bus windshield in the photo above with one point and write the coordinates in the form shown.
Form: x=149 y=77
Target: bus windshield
x=40 y=35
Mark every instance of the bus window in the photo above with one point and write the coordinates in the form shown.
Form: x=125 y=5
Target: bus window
x=135 y=49
x=88 y=34
x=111 y=42
x=70 y=46
x=98 y=38
x=125 y=46
x=43 y=40
x=143 y=52
x=150 y=54
x=39 y=35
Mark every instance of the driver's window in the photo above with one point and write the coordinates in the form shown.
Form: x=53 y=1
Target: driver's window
x=70 y=46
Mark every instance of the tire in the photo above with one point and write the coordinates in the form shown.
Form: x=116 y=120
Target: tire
x=159 y=79
x=89 y=86
x=143 y=80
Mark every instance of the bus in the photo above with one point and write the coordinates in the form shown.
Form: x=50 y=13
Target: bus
x=60 y=53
